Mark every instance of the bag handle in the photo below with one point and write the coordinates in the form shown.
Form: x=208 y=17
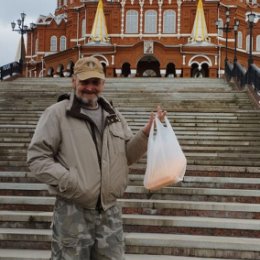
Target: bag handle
x=159 y=123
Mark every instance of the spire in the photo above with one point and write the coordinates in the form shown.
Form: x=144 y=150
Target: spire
x=20 y=53
x=199 y=31
x=99 y=29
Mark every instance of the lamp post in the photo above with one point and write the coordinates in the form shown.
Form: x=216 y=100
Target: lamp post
x=226 y=29
x=251 y=18
x=22 y=29
x=236 y=25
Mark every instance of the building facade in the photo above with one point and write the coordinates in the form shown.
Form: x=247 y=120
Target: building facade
x=138 y=38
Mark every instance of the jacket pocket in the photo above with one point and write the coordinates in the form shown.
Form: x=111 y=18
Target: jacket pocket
x=118 y=138
x=69 y=185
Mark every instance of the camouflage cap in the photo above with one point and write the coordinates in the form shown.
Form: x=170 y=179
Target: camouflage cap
x=89 y=67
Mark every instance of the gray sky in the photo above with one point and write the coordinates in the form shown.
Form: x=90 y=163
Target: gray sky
x=10 y=11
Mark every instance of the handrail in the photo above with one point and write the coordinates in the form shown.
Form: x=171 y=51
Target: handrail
x=228 y=70
x=254 y=76
x=239 y=74
x=9 y=70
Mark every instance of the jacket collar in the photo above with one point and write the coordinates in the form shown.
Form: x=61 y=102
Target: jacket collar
x=74 y=109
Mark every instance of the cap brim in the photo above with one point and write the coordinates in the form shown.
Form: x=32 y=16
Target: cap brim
x=88 y=75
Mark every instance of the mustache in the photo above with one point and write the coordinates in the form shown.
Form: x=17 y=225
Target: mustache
x=85 y=91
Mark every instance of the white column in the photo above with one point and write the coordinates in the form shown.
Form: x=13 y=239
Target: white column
x=160 y=2
x=122 y=18
x=141 y=3
x=179 y=18
x=163 y=72
x=178 y=73
x=183 y=59
x=118 y=72
x=133 y=73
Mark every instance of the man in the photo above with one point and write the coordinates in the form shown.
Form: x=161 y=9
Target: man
x=81 y=148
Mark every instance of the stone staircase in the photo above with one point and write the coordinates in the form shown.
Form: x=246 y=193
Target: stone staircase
x=213 y=214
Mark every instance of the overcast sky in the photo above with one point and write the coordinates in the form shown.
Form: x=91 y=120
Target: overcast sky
x=10 y=11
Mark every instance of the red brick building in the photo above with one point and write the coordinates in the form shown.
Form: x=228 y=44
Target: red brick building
x=161 y=38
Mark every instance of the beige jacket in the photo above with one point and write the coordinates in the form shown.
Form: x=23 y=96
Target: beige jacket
x=63 y=155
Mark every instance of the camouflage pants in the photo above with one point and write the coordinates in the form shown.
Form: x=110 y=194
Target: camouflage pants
x=86 y=234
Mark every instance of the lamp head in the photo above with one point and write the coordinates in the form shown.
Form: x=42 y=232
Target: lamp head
x=19 y=22
x=23 y=16
x=13 y=24
x=251 y=17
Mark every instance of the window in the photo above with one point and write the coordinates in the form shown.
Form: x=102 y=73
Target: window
x=150 y=25
x=59 y=3
x=221 y=25
x=248 y=43
x=63 y=43
x=258 y=43
x=36 y=45
x=65 y=2
x=169 y=21
x=131 y=21
x=239 y=40
x=53 y=43
x=83 y=28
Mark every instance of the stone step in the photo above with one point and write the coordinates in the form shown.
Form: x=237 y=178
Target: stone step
x=147 y=206
x=206 y=182
x=147 y=223
x=151 y=243
x=199 y=246
x=168 y=193
x=27 y=254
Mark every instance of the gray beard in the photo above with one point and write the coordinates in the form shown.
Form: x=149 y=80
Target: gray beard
x=88 y=103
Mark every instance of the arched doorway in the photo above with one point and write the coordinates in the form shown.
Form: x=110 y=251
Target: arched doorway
x=59 y=71
x=199 y=71
x=148 y=66
x=205 y=69
x=50 y=72
x=126 y=69
x=170 y=70
x=70 y=69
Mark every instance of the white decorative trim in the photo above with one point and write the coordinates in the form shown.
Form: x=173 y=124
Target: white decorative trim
x=160 y=2
x=141 y=3
x=179 y=2
x=105 y=60
x=208 y=60
x=122 y=17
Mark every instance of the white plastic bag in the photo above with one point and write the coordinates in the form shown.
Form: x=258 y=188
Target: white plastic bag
x=166 y=163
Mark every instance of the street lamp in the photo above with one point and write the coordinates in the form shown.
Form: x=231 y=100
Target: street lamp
x=226 y=29
x=251 y=17
x=22 y=29
x=236 y=25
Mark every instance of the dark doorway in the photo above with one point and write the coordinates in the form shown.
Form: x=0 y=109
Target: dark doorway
x=148 y=66
x=199 y=73
x=126 y=69
x=170 y=70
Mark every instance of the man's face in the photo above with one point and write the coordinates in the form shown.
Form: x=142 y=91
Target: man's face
x=88 y=90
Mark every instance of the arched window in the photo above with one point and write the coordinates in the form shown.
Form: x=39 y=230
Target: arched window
x=258 y=43
x=150 y=23
x=131 y=21
x=36 y=45
x=58 y=3
x=83 y=28
x=221 y=25
x=53 y=46
x=169 y=21
x=248 y=43
x=63 y=43
x=239 y=40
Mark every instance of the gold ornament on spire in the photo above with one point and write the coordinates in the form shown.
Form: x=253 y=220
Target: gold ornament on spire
x=199 y=31
x=99 y=29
